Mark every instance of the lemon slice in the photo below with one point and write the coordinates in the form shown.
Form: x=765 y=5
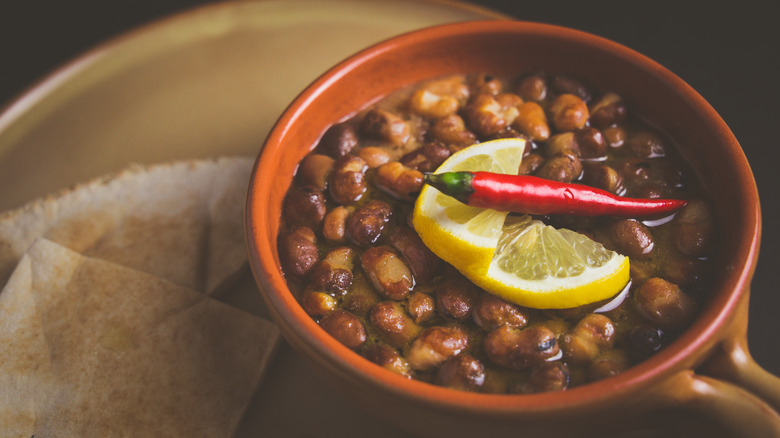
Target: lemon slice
x=462 y=235
x=517 y=258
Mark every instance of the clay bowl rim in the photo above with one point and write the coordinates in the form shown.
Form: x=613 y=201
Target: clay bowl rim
x=305 y=335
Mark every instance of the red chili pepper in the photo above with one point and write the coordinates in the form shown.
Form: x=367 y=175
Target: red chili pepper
x=534 y=195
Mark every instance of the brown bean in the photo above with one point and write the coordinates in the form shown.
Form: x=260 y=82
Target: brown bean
x=547 y=377
x=422 y=261
x=593 y=334
x=568 y=112
x=426 y=158
x=452 y=130
x=643 y=341
x=338 y=140
x=564 y=168
x=384 y=125
x=374 y=156
x=532 y=121
x=607 y=111
x=361 y=296
x=432 y=105
x=463 y=372
x=389 y=358
x=489 y=117
x=520 y=349
x=646 y=145
x=366 y=224
x=304 y=207
x=632 y=238
x=388 y=272
x=533 y=87
x=530 y=164
x=334 y=224
x=435 y=345
x=492 y=312
x=315 y=170
x=455 y=298
x=591 y=142
x=610 y=363
x=317 y=303
x=566 y=85
x=393 y=324
x=420 y=306
x=634 y=170
x=488 y=84
x=399 y=181
x=347 y=182
x=665 y=304
x=298 y=251
x=683 y=270
x=563 y=143
x=334 y=272
x=615 y=136
x=345 y=327
x=605 y=177
x=694 y=229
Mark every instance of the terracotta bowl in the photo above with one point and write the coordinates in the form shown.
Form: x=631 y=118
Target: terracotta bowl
x=707 y=369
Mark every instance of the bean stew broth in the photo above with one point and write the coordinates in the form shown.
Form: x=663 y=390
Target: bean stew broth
x=356 y=265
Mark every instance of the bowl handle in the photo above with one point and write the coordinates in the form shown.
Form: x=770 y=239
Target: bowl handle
x=730 y=386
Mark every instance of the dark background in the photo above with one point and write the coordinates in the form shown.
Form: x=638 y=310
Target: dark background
x=728 y=52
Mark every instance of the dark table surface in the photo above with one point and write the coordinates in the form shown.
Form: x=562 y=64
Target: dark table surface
x=728 y=53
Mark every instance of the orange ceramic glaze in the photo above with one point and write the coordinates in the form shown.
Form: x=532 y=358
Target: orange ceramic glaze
x=735 y=391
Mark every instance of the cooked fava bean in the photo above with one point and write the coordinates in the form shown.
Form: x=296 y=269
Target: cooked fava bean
x=315 y=170
x=317 y=303
x=422 y=261
x=563 y=143
x=393 y=324
x=632 y=238
x=567 y=85
x=635 y=170
x=615 y=136
x=646 y=145
x=533 y=88
x=609 y=110
x=491 y=312
x=440 y=98
x=568 y=112
x=532 y=121
x=694 y=229
x=345 y=327
x=399 y=181
x=386 y=126
x=665 y=304
x=452 y=130
x=427 y=158
x=298 y=251
x=361 y=297
x=366 y=224
x=305 y=207
x=374 y=156
x=462 y=372
x=490 y=116
x=334 y=224
x=547 y=377
x=520 y=349
x=334 y=272
x=684 y=271
x=487 y=84
x=592 y=335
x=530 y=164
x=591 y=142
x=387 y=357
x=605 y=177
x=338 y=141
x=435 y=345
x=455 y=298
x=347 y=182
x=643 y=341
x=388 y=272
x=563 y=167
x=420 y=306
x=610 y=363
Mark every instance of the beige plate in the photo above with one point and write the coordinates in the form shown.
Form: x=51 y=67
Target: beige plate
x=208 y=82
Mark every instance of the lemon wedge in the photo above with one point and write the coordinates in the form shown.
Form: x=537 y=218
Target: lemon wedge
x=519 y=259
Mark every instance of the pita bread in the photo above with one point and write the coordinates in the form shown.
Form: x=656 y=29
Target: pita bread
x=90 y=348
x=181 y=221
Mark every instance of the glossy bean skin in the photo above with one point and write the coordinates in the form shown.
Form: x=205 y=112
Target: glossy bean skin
x=305 y=207
x=591 y=143
x=562 y=84
x=317 y=303
x=316 y=169
x=547 y=377
x=608 y=111
x=453 y=131
x=455 y=298
x=533 y=88
x=604 y=177
x=334 y=272
x=609 y=364
x=569 y=112
x=490 y=116
x=338 y=140
x=384 y=125
x=345 y=327
x=421 y=306
x=563 y=168
x=632 y=238
x=389 y=274
x=665 y=304
x=425 y=265
x=347 y=182
x=532 y=121
x=436 y=345
x=388 y=358
x=530 y=164
x=399 y=181
x=592 y=335
x=298 y=251
x=334 y=224
x=695 y=229
x=492 y=312
x=374 y=156
x=366 y=224
x=520 y=349
x=463 y=372
x=427 y=158
x=393 y=324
